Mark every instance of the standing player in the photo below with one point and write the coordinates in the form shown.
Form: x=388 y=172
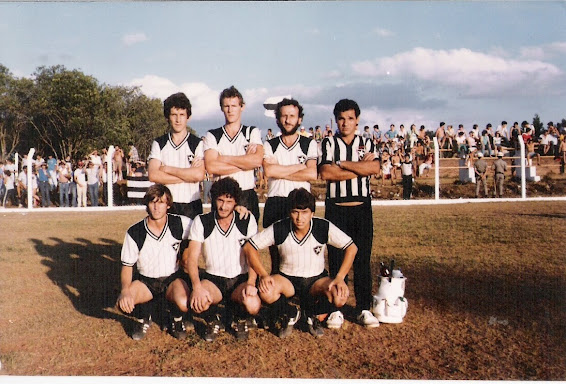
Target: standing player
x=289 y=163
x=301 y=240
x=176 y=158
x=234 y=149
x=219 y=235
x=346 y=163
x=153 y=245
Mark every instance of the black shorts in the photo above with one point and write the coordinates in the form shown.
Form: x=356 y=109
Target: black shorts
x=191 y=210
x=251 y=202
x=158 y=286
x=275 y=209
x=226 y=285
x=303 y=285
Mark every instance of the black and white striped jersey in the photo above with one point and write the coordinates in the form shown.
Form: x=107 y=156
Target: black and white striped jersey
x=219 y=140
x=222 y=251
x=333 y=149
x=155 y=256
x=301 y=258
x=303 y=149
x=181 y=156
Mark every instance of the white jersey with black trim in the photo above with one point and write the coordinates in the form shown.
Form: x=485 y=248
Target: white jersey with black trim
x=181 y=156
x=301 y=258
x=333 y=149
x=155 y=256
x=219 y=140
x=222 y=250
x=302 y=150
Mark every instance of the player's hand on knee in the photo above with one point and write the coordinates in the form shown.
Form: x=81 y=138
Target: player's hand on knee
x=339 y=288
x=249 y=291
x=266 y=284
x=125 y=302
x=200 y=300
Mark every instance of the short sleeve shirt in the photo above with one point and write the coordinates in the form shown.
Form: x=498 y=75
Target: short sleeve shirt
x=301 y=257
x=219 y=140
x=155 y=255
x=302 y=150
x=181 y=156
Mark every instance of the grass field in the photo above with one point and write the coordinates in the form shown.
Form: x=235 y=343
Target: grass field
x=486 y=289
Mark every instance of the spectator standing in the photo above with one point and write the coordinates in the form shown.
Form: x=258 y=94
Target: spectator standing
x=133 y=157
x=52 y=169
x=407 y=174
x=10 y=191
x=499 y=168
x=80 y=180
x=93 y=182
x=64 y=177
x=118 y=162
x=43 y=183
x=480 y=169
x=347 y=162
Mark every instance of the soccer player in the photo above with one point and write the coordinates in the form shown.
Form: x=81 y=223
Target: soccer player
x=289 y=163
x=219 y=236
x=235 y=149
x=301 y=240
x=346 y=163
x=153 y=245
x=176 y=158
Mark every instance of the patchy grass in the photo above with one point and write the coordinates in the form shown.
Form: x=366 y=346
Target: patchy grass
x=485 y=286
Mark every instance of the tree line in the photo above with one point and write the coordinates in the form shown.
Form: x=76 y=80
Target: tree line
x=63 y=112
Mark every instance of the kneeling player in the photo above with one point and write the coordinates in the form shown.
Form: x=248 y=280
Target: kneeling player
x=153 y=245
x=301 y=240
x=219 y=235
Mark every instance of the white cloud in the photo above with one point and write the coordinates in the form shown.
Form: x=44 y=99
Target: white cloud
x=313 y=31
x=335 y=74
x=204 y=100
x=383 y=32
x=544 y=52
x=134 y=38
x=473 y=73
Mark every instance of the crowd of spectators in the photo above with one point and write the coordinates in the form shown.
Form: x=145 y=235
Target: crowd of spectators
x=66 y=183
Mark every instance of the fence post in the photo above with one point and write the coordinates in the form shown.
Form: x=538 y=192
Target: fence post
x=110 y=176
x=522 y=161
x=436 y=169
x=30 y=178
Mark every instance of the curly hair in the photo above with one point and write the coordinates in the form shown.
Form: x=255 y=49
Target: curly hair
x=177 y=100
x=286 y=102
x=226 y=186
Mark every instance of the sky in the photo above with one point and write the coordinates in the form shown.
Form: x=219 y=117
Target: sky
x=414 y=62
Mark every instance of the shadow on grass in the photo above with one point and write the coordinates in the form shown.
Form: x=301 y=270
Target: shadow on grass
x=87 y=272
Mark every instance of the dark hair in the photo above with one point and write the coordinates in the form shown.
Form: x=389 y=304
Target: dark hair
x=286 y=102
x=157 y=191
x=177 y=100
x=229 y=93
x=300 y=199
x=226 y=186
x=346 y=105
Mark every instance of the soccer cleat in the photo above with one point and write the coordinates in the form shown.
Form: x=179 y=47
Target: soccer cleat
x=188 y=323
x=212 y=329
x=288 y=323
x=367 y=319
x=335 y=320
x=241 y=329
x=314 y=327
x=178 y=330
x=140 y=329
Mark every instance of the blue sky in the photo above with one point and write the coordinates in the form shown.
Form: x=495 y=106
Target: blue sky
x=404 y=62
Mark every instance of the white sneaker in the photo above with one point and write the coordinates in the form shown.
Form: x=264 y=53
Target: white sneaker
x=335 y=320
x=367 y=319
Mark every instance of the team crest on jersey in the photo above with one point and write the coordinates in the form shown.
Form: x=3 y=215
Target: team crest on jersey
x=176 y=246
x=317 y=249
x=361 y=151
x=242 y=242
x=302 y=159
x=190 y=158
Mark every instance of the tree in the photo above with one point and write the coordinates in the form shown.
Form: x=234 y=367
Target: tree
x=15 y=95
x=65 y=106
x=538 y=125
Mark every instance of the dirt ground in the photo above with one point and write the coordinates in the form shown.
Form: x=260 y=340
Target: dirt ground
x=486 y=289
